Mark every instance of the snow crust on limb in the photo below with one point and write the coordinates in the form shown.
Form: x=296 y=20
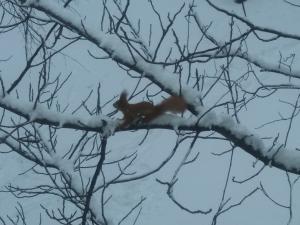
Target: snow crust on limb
x=283 y=159
x=41 y=114
x=274 y=155
x=257 y=60
x=66 y=167
x=51 y=159
x=277 y=156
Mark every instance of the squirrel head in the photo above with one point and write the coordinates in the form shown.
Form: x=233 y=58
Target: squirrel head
x=122 y=102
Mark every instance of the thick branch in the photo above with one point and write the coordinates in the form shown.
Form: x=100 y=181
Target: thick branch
x=45 y=116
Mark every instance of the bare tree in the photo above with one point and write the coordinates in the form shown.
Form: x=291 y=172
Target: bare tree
x=77 y=167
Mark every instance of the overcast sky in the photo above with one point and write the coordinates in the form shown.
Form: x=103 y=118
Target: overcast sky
x=201 y=183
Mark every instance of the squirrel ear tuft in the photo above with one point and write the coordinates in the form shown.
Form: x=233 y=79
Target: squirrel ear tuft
x=123 y=95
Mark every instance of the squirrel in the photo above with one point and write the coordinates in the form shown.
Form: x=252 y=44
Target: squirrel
x=146 y=111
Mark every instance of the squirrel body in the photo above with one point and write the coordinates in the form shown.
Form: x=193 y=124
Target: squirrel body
x=146 y=111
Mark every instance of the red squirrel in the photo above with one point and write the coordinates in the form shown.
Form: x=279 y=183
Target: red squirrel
x=146 y=111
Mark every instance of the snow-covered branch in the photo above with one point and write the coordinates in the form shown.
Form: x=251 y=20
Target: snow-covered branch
x=50 y=159
x=42 y=115
x=277 y=156
x=229 y=50
x=66 y=168
x=253 y=26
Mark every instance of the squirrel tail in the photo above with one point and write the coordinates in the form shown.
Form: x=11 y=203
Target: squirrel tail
x=175 y=104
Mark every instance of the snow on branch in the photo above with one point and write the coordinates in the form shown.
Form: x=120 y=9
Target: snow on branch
x=274 y=155
x=277 y=156
x=50 y=159
x=42 y=115
x=253 y=26
x=13 y=144
x=66 y=168
x=233 y=51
